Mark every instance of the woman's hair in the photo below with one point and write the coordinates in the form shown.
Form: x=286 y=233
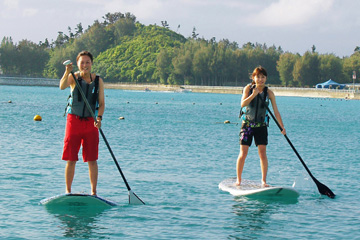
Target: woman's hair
x=258 y=71
x=84 y=53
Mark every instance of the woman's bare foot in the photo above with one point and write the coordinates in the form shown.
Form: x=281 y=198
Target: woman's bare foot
x=238 y=182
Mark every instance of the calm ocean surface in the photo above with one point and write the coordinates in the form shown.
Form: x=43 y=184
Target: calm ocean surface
x=174 y=150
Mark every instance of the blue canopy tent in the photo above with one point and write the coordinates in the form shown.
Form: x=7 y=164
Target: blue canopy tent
x=330 y=84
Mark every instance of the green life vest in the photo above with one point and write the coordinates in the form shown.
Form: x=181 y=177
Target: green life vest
x=256 y=111
x=76 y=105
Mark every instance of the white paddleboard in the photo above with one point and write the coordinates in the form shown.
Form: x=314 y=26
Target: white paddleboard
x=77 y=199
x=254 y=189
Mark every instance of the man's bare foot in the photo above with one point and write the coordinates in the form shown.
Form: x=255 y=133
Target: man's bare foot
x=264 y=184
x=238 y=182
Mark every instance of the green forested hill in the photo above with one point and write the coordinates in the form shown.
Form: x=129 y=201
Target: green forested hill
x=135 y=59
x=128 y=51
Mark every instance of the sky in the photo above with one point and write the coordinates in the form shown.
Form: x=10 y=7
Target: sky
x=333 y=26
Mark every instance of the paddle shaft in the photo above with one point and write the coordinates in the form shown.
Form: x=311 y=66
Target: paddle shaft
x=101 y=132
x=321 y=187
x=288 y=140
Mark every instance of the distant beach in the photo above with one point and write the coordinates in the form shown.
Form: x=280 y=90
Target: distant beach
x=279 y=91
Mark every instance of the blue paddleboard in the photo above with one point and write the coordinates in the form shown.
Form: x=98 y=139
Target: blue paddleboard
x=76 y=199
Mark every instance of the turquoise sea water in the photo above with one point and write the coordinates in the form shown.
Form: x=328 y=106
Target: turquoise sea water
x=174 y=150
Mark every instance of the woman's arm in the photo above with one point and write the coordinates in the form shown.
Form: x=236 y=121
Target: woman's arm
x=246 y=99
x=276 y=110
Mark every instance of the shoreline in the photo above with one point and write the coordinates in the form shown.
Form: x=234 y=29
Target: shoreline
x=279 y=91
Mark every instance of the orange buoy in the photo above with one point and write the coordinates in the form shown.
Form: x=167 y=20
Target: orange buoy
x=37 y=118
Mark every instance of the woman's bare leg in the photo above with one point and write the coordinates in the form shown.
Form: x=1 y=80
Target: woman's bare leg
x=241 y=162
x=263 y=164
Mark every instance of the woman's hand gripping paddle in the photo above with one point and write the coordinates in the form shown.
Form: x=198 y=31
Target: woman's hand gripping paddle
x=133 y=198
x=321 y=187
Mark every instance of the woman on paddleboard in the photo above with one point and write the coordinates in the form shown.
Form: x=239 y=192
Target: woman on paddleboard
x=255 y=121
x=81 y=129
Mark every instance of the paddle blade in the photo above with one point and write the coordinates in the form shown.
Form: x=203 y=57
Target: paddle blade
x=134 y=199
x=324 y=190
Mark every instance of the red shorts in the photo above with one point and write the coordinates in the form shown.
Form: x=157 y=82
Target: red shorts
x=80 y=132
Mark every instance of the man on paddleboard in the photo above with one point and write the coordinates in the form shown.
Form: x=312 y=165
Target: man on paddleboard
x=255 y=121
x=81 y=129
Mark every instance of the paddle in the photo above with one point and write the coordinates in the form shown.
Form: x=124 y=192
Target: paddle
x=133 y=198
x=321 y=187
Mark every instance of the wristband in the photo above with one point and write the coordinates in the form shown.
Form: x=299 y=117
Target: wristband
x=99 y=116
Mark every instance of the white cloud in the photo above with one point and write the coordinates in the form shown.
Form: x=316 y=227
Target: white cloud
x=290 y=12
x=11 y=4
x=29 y=12
x=9 y=9
x=152 y=9
x=207 y=3
x=143 y=8
x=13 y=9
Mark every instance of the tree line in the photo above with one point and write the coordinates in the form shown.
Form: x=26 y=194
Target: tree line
x=128 y=51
